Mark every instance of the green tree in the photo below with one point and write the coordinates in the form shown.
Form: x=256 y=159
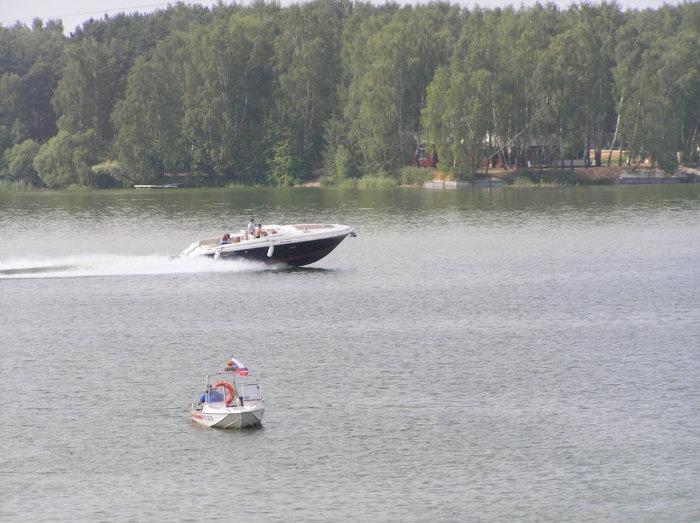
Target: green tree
x=390 y=73
x=460 y=112
x=227 y=83
x=19 y=160
x=66 y=159
x=148 y=121
x=89 y=87
x=307 y=66
x=657 y=73
x=284 y=166
x=572 y=96
x=30 y=62
x=339 y=159
x=12 y=106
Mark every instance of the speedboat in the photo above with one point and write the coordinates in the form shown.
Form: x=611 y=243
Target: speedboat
x=295 y=245
x=230 y=401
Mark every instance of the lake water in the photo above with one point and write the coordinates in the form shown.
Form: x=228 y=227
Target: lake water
x=527 y=354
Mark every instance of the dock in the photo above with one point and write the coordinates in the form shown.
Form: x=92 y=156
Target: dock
x=480 y=183
x=166 y=186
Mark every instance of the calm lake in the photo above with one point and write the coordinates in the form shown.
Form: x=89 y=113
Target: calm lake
x=513 y=354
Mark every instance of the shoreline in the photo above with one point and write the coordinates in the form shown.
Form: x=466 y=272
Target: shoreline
x=529 y=177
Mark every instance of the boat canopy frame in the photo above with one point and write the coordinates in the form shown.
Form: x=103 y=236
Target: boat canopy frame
x=242 y=384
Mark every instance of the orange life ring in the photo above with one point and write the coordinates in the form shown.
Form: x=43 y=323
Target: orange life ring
x=230 y=391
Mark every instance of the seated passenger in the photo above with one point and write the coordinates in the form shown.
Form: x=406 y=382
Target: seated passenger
x=226 y=238
x=213 y=395
x=258 y=231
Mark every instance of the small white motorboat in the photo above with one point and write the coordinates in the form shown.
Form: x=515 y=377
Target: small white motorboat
x=230 y=401
x=293 y=245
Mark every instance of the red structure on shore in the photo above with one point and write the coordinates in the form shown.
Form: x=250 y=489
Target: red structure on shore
x=422 y=157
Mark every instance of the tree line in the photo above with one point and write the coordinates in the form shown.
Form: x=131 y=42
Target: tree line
x=264 y=94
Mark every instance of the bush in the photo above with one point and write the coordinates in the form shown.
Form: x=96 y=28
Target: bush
x=522 y=181
x=376 y=181
x=285 y=167
x=527 y=177
x=19 y=160
x=463 y=173
x=339 y=164
x=110 y=173
x=75 y=187
x=16 y=185
x=368 y=181
x=412 y=175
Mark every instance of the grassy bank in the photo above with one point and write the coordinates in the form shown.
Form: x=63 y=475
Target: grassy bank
x=557 y=177
x=409 y=176
x=416 y=176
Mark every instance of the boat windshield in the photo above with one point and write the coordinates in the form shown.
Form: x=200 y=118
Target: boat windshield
x=215 y=395
x=250 y=392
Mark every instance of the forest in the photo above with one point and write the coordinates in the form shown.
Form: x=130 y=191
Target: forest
x=339 y=91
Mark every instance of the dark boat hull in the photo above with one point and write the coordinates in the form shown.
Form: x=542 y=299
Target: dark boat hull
x=296 y=254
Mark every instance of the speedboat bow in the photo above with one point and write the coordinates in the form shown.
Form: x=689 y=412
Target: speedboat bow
x=230 y=401
x=295 y=245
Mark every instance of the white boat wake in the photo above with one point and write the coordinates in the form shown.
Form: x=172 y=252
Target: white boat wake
x=87 y=265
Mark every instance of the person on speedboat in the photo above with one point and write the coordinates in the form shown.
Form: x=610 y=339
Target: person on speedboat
x=214 y=396
x=226 y=238
x=250 y=229
x=259 y=231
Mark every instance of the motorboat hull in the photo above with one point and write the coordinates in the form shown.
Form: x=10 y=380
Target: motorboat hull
x=295 y=254
x=291 y=245
x=228 y=417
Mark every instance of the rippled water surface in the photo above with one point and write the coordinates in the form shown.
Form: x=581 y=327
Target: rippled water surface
x=528 y=354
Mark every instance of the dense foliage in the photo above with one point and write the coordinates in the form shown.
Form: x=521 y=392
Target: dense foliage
x=261 y=94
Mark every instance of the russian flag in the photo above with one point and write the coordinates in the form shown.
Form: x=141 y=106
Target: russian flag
x=235 y=366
